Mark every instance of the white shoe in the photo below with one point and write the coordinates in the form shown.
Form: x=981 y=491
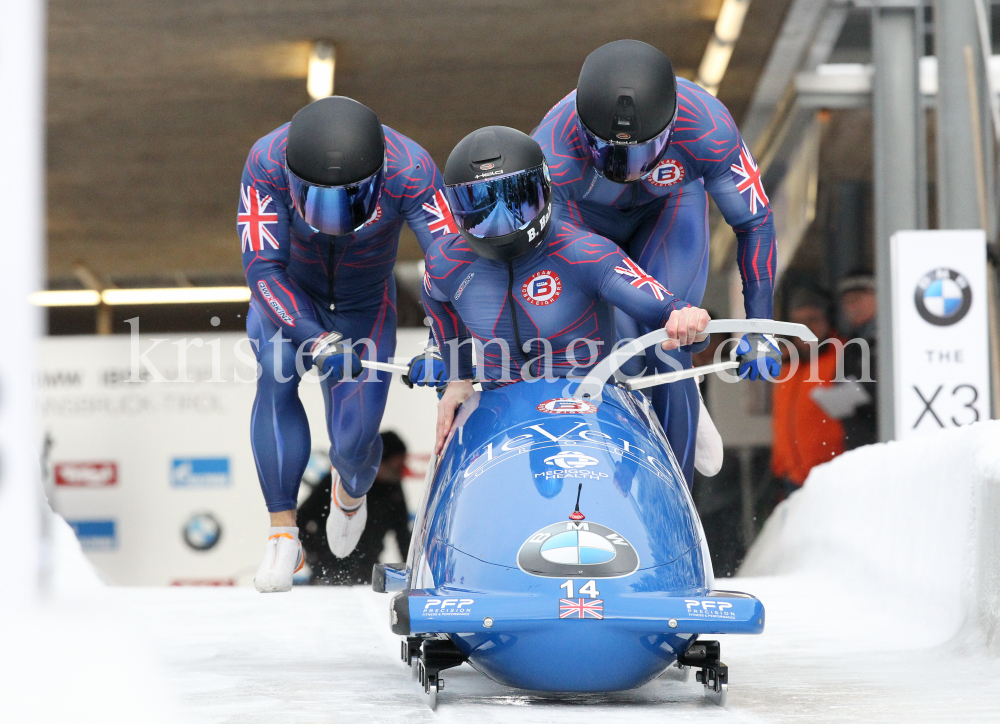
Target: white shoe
x=282 y=560
x=344 y=527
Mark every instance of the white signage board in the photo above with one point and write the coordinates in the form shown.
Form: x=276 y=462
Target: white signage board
x=940 y=344
x=157 y=477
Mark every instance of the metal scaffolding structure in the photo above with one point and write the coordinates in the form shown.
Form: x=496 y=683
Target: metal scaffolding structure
x=959 y=83
x=900 y=161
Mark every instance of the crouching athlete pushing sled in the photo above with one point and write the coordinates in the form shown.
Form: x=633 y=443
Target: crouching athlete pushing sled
x=322 y=203
x=545 y=290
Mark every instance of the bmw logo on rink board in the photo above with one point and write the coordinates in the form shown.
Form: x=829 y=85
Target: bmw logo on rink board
x=569 y=548
x=202 y=531
x=943 y=297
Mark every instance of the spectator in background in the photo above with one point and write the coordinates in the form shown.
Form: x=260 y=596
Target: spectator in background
x=804 y=434
x=386 y=511
x=386 y=507
x=857 y=310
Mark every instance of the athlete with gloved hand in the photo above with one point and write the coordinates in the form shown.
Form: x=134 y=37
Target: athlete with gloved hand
x=322 y=202
x=632 y=152
x=544 y=290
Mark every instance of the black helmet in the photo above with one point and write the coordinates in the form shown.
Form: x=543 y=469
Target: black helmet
x=335 y=159
x=499 y=189
x=627 y=102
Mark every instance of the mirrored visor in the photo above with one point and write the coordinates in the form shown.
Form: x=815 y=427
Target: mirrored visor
x=502 y=205
x=621 y=162
x=336 y=210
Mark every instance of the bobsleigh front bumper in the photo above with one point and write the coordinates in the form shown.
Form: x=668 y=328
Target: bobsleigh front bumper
x=448 y=611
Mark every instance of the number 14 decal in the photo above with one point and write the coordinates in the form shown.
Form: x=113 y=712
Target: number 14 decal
x=587 y=589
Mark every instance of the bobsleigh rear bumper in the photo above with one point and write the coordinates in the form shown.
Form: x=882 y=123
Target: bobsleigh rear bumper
x=447 y=611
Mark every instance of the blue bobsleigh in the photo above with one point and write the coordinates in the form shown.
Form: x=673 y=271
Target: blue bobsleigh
x=557 y=547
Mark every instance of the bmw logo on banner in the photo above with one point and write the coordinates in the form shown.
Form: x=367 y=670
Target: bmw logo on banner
x=202 y=531
x=569 y=549
x=943 y=297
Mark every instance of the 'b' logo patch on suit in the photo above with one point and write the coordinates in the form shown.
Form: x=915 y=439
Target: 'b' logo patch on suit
x=542 y=288
x=667 y=173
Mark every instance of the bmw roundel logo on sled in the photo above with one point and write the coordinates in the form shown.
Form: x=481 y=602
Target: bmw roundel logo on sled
x=943 y=297
x=569 y=548
x=567 y=406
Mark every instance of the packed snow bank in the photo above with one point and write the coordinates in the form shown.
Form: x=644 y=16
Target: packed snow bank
x=71 y=658
x=913 y=526
x=69 y=574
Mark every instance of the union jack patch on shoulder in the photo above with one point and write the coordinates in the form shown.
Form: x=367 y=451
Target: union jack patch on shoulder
x=747 y=178
x=254 y=218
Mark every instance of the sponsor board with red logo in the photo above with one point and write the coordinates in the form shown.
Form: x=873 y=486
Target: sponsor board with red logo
x=148 y=435
x=86 y=474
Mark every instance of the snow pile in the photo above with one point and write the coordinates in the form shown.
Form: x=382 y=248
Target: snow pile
x=913 y=525
x=69 y=573
x=71 y=658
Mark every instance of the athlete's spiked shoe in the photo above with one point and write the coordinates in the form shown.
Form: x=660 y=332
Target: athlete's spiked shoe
x=345 y=526
x=282 y=560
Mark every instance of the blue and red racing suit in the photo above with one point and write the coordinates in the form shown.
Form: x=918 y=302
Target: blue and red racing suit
x=549 y=313
x=661 y=220
x=306 y=284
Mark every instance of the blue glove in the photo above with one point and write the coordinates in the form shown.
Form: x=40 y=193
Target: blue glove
x=759 y=357
x=336 y=358
x=427 y=370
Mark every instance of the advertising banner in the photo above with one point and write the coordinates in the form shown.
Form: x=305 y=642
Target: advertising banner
x=941 y=349
x=149 y=454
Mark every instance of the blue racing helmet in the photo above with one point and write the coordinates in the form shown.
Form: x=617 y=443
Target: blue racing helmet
x=335 y=158
x=498 y=187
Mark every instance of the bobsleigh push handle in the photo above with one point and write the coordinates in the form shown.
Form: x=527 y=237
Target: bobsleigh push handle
x=385 y=367
x=593 y=384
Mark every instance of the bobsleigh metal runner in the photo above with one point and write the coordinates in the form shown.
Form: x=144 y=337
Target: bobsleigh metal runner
x=557 y=527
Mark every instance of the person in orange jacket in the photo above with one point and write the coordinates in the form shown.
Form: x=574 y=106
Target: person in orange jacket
x=805 y=435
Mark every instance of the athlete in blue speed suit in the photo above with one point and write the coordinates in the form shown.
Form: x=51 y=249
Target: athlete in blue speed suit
x=307 y=284
x=564 y=290
x=551 y=303
x=661 y=219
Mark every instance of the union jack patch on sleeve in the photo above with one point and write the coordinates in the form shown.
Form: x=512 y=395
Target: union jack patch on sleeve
x=254 y=218
x=747 y=177
x=439 y=214
x=641 y=279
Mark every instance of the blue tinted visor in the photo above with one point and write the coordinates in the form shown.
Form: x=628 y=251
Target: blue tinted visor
x=622 y=162
x=502 y=205
x=336 y=210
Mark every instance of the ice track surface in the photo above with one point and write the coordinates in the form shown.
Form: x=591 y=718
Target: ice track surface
x=881 y=581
